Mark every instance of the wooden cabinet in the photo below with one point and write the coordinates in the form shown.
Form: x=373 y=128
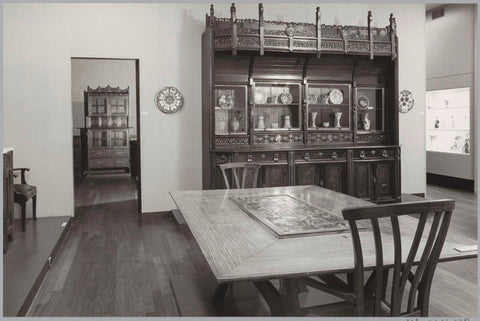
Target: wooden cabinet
x=107 y=131
x=8 y=214
x=324 y=115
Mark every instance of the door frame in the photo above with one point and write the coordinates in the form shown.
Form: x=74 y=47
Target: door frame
x=137 y=111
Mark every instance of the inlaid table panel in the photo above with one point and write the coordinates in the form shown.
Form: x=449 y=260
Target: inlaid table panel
x=238 y=247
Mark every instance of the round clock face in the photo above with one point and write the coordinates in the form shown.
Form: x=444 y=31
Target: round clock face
x=406 y=101
x=335 y=96
x=169 y=100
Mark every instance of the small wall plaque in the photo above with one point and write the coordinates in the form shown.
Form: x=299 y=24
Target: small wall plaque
x=406 y=101
x=169 y=100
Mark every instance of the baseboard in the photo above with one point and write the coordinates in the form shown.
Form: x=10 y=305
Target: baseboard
x=451 y=182
x=46 y=266
x=155 y=214
x=419 y=194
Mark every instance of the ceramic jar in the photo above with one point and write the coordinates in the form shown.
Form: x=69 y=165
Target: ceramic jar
x=366 y=122
x=338 y=116
x=286 y=122
x=235 y=125
x=261 y=123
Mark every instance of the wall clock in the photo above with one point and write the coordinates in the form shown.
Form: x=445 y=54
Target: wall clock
x=169 y=100
x=406 y=101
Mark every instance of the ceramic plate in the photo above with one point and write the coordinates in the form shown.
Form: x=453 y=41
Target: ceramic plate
x=260 y=97
x=335 y=96
x=225 y=101
x=363 y=102
x=286 y=98
x=311 y=99
x=169 y=100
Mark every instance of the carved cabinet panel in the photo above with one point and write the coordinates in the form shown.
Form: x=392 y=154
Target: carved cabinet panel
x=334 y=177
x=306 y=175
x=362 y=180
x=274 y=175
x=383 y=187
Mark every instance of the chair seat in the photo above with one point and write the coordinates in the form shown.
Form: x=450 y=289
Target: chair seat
x=27 y=191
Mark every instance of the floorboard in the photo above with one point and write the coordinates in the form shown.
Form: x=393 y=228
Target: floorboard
x=113 y=265
x=25 y=259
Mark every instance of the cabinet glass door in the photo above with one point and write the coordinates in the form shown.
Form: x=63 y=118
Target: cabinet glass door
x=370 y=114
x=118 y=105
x=277 y=107
x=98 y=139
x=328 y=107
x=230 y=110
x=119 y=138
x=98 y=106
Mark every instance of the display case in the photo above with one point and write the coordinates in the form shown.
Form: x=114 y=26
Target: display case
x=230 y=110
x=277 y=107
x=370 y=110
x=448 y=120
x=314 y=104
x=328 y=107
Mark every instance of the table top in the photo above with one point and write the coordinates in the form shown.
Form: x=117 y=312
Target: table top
x=238 y=247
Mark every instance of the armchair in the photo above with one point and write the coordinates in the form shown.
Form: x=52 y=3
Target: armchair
x=22 y=193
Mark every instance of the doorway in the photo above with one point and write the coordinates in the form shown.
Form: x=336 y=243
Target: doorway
x=106 y=131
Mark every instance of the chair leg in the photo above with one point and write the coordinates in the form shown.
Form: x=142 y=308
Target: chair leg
x=24 y=214
x=34 y=205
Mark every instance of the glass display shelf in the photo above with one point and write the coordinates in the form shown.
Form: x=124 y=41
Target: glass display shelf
x=231 y=110
x=448 y=120
x=370 y=110
x=277 y=107
x=328 y=107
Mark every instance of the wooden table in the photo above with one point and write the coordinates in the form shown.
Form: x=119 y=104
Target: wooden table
x=239 y=248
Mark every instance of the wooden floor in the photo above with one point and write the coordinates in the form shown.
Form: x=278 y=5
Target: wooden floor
x=112 y=265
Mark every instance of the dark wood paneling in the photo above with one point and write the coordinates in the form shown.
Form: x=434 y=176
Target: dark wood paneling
x=230 y=69
x=362 y=178
x=306 y=175
x=274 y=175
x=330 y=69
x=281 y=67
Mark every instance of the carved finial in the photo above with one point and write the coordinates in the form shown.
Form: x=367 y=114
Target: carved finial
x=370 y=18
x=212 y=12
x=233 y=12
x=318 y=9
x=260 y=8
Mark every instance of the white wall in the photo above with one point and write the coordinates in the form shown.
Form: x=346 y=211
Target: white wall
x=40 y=39
x=102 y=72
x=450 y=64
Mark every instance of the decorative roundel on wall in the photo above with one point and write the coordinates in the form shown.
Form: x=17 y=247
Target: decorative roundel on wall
x=169 y=100
x=406 y=101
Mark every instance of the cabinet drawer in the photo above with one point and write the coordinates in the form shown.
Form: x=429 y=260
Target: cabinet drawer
x=108 y=152
x=326 y=155
x=267 y=157
x=377 y=153
x=108 y=162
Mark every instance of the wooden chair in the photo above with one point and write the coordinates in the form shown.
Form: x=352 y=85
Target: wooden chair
x=24 y=192
x=246 y=170
x=421 y=279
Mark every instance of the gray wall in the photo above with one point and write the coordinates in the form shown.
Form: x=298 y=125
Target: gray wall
x=451 y=64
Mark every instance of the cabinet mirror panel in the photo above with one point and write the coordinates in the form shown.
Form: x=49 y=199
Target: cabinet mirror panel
x=328 y=107
x=230 y=110
x=370 y=110
x=277 y=107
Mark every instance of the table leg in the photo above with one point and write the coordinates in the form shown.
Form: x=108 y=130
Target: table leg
x=289 y=298
x=219 y=294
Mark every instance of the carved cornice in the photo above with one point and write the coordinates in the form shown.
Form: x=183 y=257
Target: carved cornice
x=107 y=91
x=252 y=34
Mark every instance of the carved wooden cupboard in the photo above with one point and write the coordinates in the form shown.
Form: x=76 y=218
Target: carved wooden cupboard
x=315 y=104
x=107 y=131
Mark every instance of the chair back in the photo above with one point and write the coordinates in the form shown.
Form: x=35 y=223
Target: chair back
x=247 y=170
x=421 y=279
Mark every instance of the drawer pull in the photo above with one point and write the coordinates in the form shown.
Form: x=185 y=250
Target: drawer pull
x=320 y=154
x=306 y=157
x=362 y=154
x=276 y=157
x=334 y=155
x=384 y=154
x=262 y=156
x=249 y=158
